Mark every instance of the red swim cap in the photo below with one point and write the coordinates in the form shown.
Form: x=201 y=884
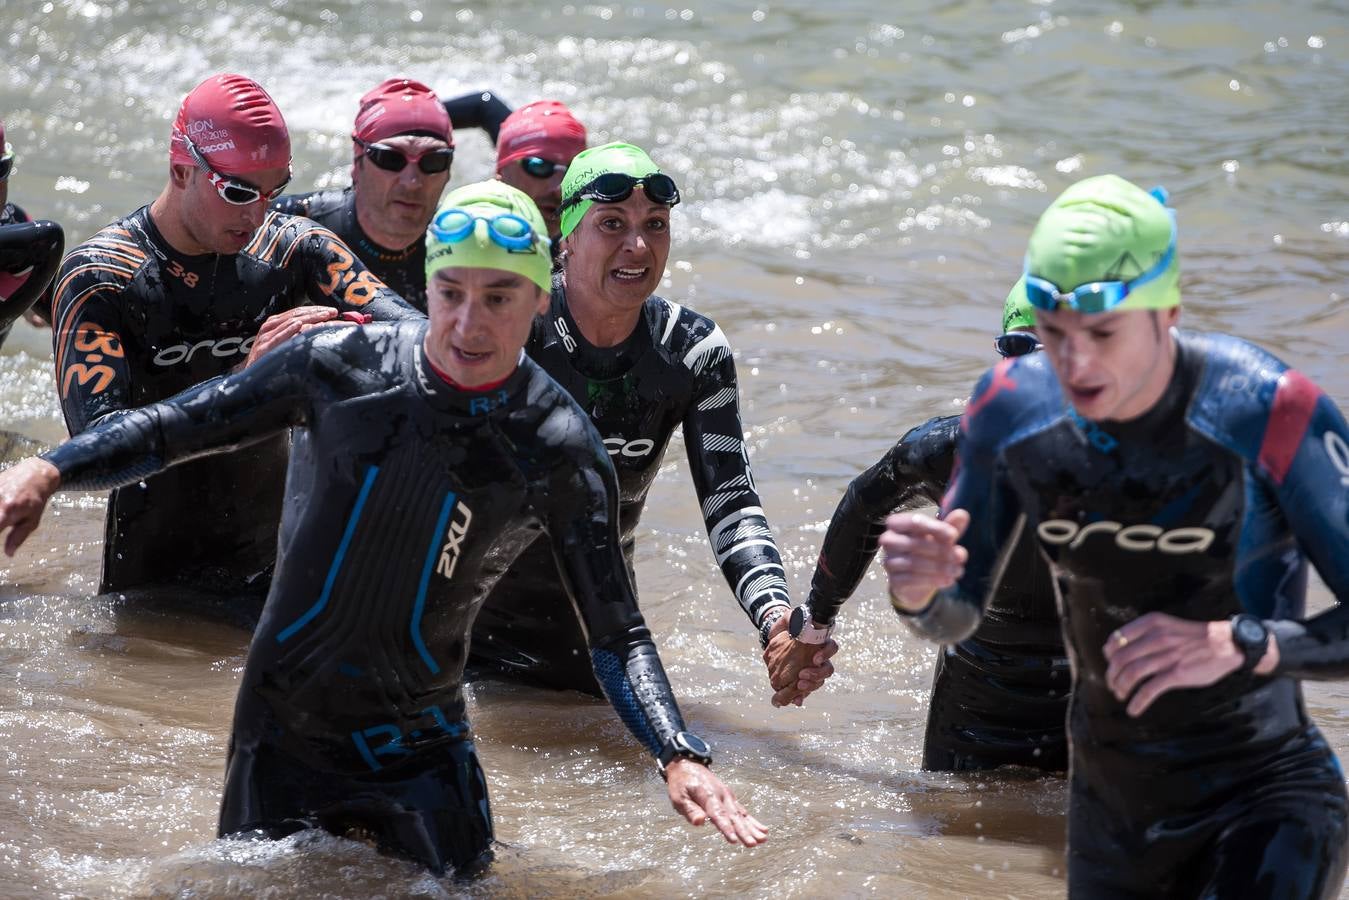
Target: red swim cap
x=545 y=128
x=399 y=106
x=232 y=122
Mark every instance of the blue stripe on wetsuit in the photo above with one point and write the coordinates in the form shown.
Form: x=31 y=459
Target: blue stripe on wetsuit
x=419 y=606
x=342 y=548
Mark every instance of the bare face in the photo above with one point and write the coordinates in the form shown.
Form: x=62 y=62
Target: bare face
x=213 y=225
x=1110 y=365
x=395 y=208
x=617 y=253
x=545 y=192
x=480 y=320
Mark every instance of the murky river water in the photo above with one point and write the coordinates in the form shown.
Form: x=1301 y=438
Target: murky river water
x=860 y=179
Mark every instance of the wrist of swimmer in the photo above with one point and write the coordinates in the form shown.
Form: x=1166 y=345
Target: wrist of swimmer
x=905 y=611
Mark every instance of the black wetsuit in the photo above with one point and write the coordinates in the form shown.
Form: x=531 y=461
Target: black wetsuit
x=406 y=499
x=676 y=369
x=136 y=322
x=403 y=270
x=1000 y=696
x=1208 y=505
x=29 y=255
x=13 y=214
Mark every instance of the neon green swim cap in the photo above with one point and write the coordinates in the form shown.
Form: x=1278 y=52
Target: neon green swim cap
x=478 y=250
x=1016 y=309
x=1106 y=229
x=588 y=165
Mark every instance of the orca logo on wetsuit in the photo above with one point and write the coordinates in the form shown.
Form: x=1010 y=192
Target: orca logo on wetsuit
x=1135 y=538
x=454 y=539
x=1338 y=451
x=230 y=346
x=634 y=449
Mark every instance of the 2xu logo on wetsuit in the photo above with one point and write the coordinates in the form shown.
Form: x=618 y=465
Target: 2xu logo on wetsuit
x=1135 y=538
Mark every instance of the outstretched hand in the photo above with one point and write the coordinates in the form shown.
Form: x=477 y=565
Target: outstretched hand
x=922 y=556
x=283 y=326
x=796 y=670
x=25 y=489
x=699 y=796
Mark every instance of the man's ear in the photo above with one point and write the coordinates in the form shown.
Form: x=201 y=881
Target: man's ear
x=180 y=175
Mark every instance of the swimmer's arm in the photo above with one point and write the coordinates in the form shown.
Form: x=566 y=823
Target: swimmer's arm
x=913 y=473
x=93 y=378
x=582 y=523
x=335 y=276
x=737 y=527
x=35 y=247
x=480 y=109
x=222 y=414
x=1314 y=497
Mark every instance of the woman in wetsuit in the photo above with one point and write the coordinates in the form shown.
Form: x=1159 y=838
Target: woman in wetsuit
x=1000 y=696
x=641 y=366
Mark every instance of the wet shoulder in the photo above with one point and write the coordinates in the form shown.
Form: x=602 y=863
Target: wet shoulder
x=552 y=423
x=110 y=260
x=317 y=205
x=366 y=358
x=282 y=236
x=1016 y=399
x=930 y=445
x=692 y=338
x=1244 y=392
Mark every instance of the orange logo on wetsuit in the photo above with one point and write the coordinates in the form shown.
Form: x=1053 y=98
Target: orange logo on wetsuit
x=357 y=290
x=96 y=345
x=176 y=269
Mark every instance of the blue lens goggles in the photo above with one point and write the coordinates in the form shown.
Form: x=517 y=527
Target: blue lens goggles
x=1099 y=296
x=506 y=230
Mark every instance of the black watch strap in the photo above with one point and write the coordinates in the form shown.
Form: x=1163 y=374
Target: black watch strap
x=1251 y=637
x=685 y=745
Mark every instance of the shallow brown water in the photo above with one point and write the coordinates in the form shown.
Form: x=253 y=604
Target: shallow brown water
x=860 y=181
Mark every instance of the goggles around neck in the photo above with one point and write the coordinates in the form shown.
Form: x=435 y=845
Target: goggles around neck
x=232 y=190
x=390 y=159
x=507 y=230
x=1099 y=296
x=615 y=187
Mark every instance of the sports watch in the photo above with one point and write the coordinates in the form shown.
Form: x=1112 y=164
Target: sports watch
x=1251 y=638
x=803 y=628
x=686 y=745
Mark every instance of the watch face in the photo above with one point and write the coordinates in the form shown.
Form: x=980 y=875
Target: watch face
x=1250 y=631
x=797 y=622
x=694 y=744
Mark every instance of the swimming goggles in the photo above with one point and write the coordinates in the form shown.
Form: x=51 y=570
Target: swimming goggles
x=1099 y=296
x=431 y=162
x=540 y=167
x=233 y=190
x=1016 y=343
x=615 y=187
x=507 y=230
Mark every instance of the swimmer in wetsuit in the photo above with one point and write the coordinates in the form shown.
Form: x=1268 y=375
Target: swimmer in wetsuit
x=537 y=143
x=426 y=457
x=1000 y=696
x=30 y=253
x=640 y=366
x=1177 y=484
x=402 y=148
x=37 y=309
x=193 y=286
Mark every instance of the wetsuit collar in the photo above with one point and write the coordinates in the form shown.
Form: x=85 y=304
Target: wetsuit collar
x=601 y=362
x=467 y=402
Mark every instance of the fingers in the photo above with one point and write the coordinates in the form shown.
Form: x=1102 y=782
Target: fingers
x=1136 y=631
x=922 y=527
x=690 y=810
x=825 y=653
x=787 y=695
x=1123 y=677
x=19 y=533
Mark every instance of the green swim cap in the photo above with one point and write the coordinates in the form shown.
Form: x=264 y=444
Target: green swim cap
x=1016 y=309
x=490 y=199
x=1106 y=229
x=589 y=165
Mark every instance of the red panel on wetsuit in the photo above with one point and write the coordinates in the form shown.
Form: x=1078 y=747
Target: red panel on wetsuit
x=1294 y=402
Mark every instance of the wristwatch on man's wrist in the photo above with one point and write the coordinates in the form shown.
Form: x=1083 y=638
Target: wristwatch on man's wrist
x=804 y=629
x=769 y=620
x=684 y=745
x=1251 y=638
